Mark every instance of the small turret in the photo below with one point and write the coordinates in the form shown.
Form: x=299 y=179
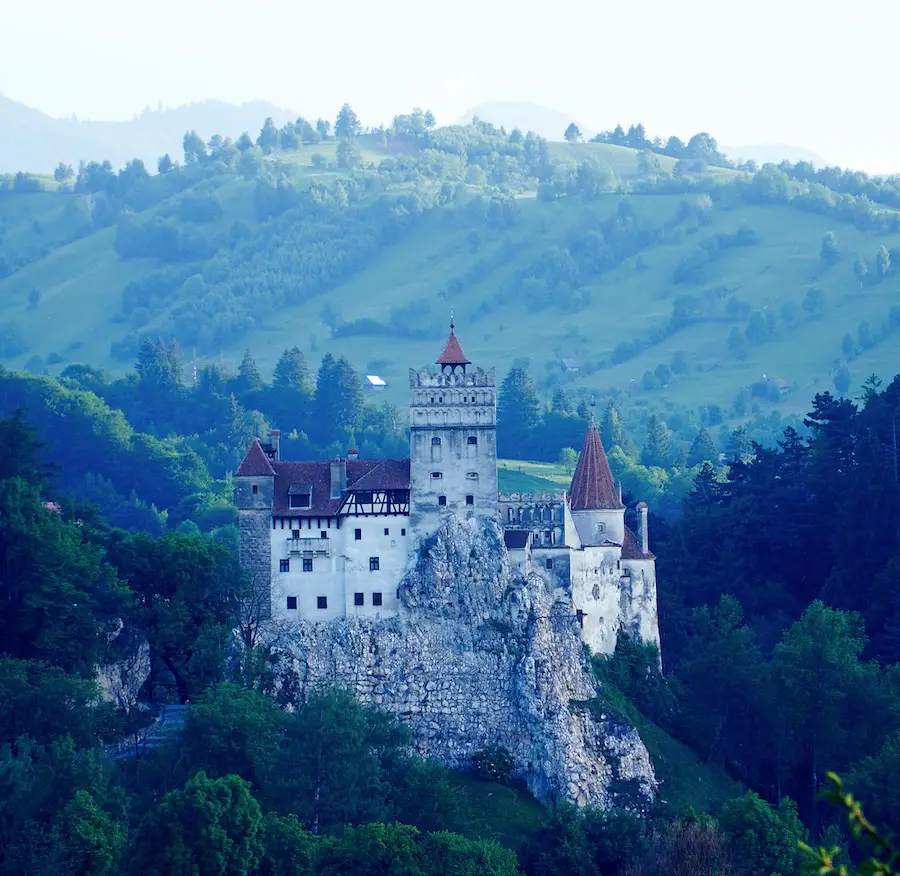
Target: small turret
x=643 y=532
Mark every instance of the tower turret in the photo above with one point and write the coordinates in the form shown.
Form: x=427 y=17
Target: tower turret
x=254 y=496
x=594 y=499
x=453 y=440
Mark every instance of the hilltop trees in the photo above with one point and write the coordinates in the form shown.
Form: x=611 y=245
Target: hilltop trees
x=518 y=410
x=346 y=124
x=572 y=133
x=658 y=449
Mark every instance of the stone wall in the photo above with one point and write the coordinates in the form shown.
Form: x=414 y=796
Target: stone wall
x=479 y=657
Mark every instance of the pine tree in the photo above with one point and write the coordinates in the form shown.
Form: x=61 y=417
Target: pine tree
x=703 y=449
x=560 y=401
x=518 y=410
x=291 y=371
x=339 y=401
x=658 y=449
x=612 y=432
x=740 y=446
x=249 y=378
x=346 y=124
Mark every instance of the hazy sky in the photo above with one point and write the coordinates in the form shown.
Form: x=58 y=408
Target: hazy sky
x=814 y=74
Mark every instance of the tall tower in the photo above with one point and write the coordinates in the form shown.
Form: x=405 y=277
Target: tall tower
x=453 y=441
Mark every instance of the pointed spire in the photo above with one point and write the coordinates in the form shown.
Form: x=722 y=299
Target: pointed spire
x=255 y=462
x=593 y=487
x=453 y=353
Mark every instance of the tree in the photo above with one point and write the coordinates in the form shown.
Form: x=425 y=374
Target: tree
x=291 y=372
x=560 y=401
x=740 y=445
x=883 y=262
x=757 y=331
x=338 y=401
x=268 y=136
x=209 y=826
x=841 y=379
x=194 y=147
x=346 y=124
x=657 y=450
x=323 y=128
x=568 y=457
x=679 y=363
x=63 y=173
x=865 y=335
x=861 y=269
x=573 y=133
x=612 y=430
x=288 y=849
x=828 y=251
x=814 y=302
x=518 y=410
x=702 y=450
x=848 y=346
x=348 y=155
x=165 y=164
x=663 y=374
x=249 y=378
x=737 y=343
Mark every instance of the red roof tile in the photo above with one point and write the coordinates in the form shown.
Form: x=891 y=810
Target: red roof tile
x=631 y=549
x=255 y=462
x=592 y=484
x=364 y=474
x=453 y=353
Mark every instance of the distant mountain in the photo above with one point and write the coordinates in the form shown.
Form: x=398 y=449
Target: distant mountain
x=548 y=123
x=763 y=153
x=38 y=142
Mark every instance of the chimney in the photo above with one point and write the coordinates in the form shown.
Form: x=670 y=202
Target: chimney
x=643 y=535
x=275 y=441
x=338 y=477
x=352 y=453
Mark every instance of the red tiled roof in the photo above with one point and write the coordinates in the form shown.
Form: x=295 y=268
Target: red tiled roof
x=631 y=549
x=453 y=353
x=592 y=484
x=364 y=474
x=255 y=462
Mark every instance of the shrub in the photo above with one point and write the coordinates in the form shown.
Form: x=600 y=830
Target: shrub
x=492 y=764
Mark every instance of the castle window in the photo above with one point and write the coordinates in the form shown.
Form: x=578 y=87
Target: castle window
x=255 y=489
x=387 y=531
x=436 y=475
x=432 y=399
x=580 y=615
x=295 y=533
x=307 y=564
x=470 y=500
x=435 y=442
x=549 y=563
x=300 y=500
x=403 y=531
x=510 y=514
x=284 y=565
x=292 y=603
x=358 y=599
x=374 y=564
x=441 y=398
x=472 y=475
x=472 y=439
x=357 y=534
x=442 y=500
x=323 y=534
x=321 y=602
x=376 y=599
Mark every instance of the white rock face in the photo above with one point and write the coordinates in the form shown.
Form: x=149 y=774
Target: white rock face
x=479 y=657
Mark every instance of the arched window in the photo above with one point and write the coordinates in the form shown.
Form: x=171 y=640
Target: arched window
x=471 y=446
x=435 y=449
x=472 y=439
x=442 y=501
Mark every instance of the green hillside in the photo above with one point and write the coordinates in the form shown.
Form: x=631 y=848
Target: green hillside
x=544 y=251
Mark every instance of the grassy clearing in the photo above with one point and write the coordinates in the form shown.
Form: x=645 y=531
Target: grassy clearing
x=520 y=476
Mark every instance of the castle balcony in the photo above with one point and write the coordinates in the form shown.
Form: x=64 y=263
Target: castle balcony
x=309 y=547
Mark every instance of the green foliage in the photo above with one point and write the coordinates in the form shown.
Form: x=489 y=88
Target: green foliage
x=493 y=764
x=209 y=826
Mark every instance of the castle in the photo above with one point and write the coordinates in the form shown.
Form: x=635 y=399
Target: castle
x=325 y=540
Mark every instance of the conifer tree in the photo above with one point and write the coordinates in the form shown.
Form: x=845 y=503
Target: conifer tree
x=291 y=371
x=518 y=409
x=658 y=449
x=560 y=401
x=703 y=449
x=339 y=402
x=249 y=378
x=740 y=445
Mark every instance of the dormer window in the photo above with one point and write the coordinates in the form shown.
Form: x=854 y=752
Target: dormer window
x=300 y=496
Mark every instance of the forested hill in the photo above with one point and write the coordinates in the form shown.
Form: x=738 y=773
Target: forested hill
x=657 y=269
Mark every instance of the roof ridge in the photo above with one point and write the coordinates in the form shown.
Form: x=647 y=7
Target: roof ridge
x=593 y=487
x=255 y=462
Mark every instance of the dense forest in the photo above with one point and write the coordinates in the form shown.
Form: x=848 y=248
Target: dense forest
x=779 y=618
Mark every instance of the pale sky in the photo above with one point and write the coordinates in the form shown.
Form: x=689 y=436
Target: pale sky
x=820 y=75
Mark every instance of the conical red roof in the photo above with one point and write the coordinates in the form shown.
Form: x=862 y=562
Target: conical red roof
x=453 y=353
x=592 y=484
x=255 y=462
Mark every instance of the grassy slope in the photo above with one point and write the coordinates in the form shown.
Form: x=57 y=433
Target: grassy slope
x=81 y=283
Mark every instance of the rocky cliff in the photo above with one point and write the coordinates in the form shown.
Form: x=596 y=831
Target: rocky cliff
x=480 y=657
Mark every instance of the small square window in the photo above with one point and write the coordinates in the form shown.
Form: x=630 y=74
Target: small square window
x=471 y=440
x=321 y=602
x=403 y=531
x=357 y=534
x=387 y=531
x=284 y=565
x=376 y=599
x=292 y=603
x=442 y=500
x=255 y=489
x=323 y=534
x=374 y=564
x=295 y=533
x=358 y=599
x=436 y=475
x=580 y=615
x=470 y=500
x=549 y=563
x=307 y=564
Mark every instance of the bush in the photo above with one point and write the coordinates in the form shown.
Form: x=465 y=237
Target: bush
x=493 y=764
